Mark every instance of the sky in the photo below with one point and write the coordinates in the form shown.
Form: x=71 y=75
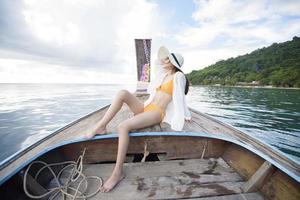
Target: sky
x=92 y=41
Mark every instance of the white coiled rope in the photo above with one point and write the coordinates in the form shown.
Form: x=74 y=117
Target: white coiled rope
x=62 y=189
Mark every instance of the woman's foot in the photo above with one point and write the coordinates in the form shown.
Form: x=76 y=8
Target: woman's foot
x=112 y=181
x=99 y=131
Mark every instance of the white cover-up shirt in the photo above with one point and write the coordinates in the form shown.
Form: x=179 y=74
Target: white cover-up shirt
x=176 y=111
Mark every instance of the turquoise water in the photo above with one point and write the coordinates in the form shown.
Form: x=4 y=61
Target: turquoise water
x=29 y=112
x=271 y=115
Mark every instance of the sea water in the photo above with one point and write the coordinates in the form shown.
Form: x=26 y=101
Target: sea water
x=30 y=112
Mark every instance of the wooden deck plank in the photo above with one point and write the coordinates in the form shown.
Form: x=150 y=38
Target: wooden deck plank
x=247 y=196
x=188 y=127
x=169 y=179
x=204 y=170
x=141 y=189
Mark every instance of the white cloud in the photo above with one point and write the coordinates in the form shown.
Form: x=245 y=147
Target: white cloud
x=229 y=28
x=93 y=34
x=101 y=30
x=141 y=21
x=26 y=71
x=95 y=38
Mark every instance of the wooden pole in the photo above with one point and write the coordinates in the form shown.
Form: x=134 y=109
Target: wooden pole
x=143 y=60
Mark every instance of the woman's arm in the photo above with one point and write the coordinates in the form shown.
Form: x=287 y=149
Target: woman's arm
x=179 y=102
x=182 y=81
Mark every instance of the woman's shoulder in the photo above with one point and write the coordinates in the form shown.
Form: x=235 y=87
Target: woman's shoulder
x=179 y=74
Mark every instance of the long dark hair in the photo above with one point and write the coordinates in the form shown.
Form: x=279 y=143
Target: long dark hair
x=187 y=85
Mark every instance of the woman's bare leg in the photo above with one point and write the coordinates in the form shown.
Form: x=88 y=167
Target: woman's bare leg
x=140 y=120
x=135 y=105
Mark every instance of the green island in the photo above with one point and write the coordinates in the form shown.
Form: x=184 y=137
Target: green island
x=277 y=65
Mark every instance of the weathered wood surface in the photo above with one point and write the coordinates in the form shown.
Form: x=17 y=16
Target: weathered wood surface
x=33 y=186
x=141 y=58
x=214 y=126
x=257 y=180
x=281 y=187
x=243 y=161
x=170 y=179
x=174 y=147
x=248 y=196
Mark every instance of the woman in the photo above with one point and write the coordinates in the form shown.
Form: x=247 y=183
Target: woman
x=166 y=103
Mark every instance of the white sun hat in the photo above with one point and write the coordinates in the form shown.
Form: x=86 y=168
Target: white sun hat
x=175 y=58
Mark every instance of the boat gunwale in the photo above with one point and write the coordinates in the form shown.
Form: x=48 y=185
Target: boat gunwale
x=262 y=143
x=21 y=152
x=172 y=133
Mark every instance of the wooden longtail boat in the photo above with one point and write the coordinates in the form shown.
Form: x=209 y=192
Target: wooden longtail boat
x=207 y=160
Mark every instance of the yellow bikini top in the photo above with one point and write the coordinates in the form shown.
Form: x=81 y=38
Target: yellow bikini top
x=166 y=87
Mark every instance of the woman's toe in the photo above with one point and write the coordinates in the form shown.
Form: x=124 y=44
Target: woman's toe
x=102 y=189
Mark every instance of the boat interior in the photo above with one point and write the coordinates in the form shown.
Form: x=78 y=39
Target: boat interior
x=204 y=161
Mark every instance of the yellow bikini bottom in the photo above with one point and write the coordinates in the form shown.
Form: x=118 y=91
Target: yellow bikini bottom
x=152 y=106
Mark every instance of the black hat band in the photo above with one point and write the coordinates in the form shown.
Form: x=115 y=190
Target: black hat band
x=175 y=59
